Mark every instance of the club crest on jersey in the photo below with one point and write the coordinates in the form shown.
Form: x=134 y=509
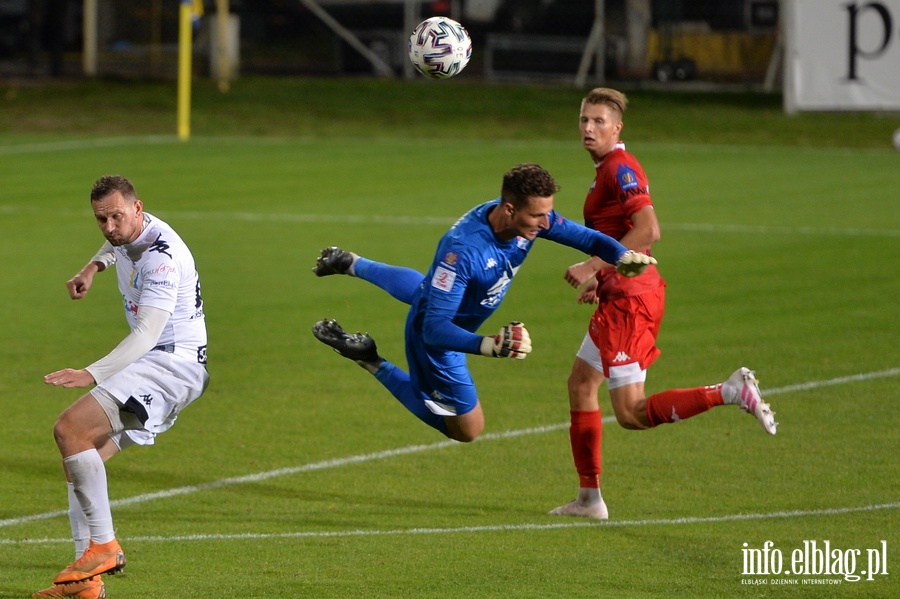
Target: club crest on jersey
x=450 y=259
x=627 y=178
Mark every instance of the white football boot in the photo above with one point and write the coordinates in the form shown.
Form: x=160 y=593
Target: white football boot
x=596 y=511
x=743 y=387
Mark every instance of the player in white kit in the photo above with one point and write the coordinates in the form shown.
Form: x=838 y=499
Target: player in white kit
x=141 y=385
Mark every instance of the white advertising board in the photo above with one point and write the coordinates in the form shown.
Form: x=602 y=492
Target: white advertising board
x=841 y=55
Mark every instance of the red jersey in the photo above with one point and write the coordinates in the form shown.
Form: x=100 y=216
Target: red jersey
x=619 y=190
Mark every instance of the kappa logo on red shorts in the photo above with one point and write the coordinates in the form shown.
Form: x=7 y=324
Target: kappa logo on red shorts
x=622 y=357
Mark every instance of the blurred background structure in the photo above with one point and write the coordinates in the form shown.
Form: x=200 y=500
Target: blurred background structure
x=585 y=41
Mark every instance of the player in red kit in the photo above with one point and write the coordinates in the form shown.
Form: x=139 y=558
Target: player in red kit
x=620 y=344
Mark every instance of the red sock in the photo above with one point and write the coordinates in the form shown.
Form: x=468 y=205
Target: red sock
x=681 y=404
x=585 y=435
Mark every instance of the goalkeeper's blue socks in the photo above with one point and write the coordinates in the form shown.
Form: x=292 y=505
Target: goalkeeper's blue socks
x=399 y=281
x=397 y=382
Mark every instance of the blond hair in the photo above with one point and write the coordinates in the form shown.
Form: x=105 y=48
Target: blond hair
x=611 y=97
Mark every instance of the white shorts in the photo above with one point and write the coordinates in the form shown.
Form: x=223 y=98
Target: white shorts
x=619 y=376
x=145 y=398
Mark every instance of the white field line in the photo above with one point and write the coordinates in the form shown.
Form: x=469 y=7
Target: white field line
x=138 y=140
x=769 y=230
x=399 y=220
x=486 y=528
x=411 y=449
x=84 y=144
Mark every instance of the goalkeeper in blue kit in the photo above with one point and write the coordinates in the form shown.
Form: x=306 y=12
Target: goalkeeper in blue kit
x=470 y=275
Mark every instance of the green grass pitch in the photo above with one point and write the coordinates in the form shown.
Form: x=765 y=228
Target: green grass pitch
x=297 y=475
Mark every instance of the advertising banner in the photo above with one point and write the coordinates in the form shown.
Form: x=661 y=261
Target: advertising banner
x=841 y=55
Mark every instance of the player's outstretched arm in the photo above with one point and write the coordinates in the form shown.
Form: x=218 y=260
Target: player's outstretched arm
x=149 y=326
x=632 y=264
x=513 y=341
x=79 y=285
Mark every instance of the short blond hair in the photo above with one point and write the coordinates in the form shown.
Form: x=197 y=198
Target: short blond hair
x=611 y=97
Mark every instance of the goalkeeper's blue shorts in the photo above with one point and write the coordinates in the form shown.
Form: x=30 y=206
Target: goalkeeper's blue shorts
x=441 y=377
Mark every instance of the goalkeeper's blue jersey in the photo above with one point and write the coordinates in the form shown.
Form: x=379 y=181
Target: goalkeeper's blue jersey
x=473 y=269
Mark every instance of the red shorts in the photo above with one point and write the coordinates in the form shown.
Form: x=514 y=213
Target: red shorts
x=625 y=329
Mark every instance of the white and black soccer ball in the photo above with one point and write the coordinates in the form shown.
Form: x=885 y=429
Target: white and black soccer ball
x=440 y=48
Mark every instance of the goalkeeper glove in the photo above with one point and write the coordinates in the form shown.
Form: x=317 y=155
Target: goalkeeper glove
x=631 y=264
x=513 y=341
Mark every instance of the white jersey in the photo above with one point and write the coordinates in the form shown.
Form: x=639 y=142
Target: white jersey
x=157 y=270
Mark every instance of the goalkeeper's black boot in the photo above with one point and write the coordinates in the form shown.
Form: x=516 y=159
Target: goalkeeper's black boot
x=334 y=261
x=357 y=346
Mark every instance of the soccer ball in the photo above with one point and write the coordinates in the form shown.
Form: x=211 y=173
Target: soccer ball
x=440 y=48
x=897 y=139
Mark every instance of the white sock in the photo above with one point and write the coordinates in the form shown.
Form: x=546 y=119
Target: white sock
x=588 y=496
x=730 y=393
x=88 y=476
x=81 y=532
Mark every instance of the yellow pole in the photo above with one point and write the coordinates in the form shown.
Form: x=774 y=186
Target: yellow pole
x=89 y=23
x=184 y=70
x=223 y=45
